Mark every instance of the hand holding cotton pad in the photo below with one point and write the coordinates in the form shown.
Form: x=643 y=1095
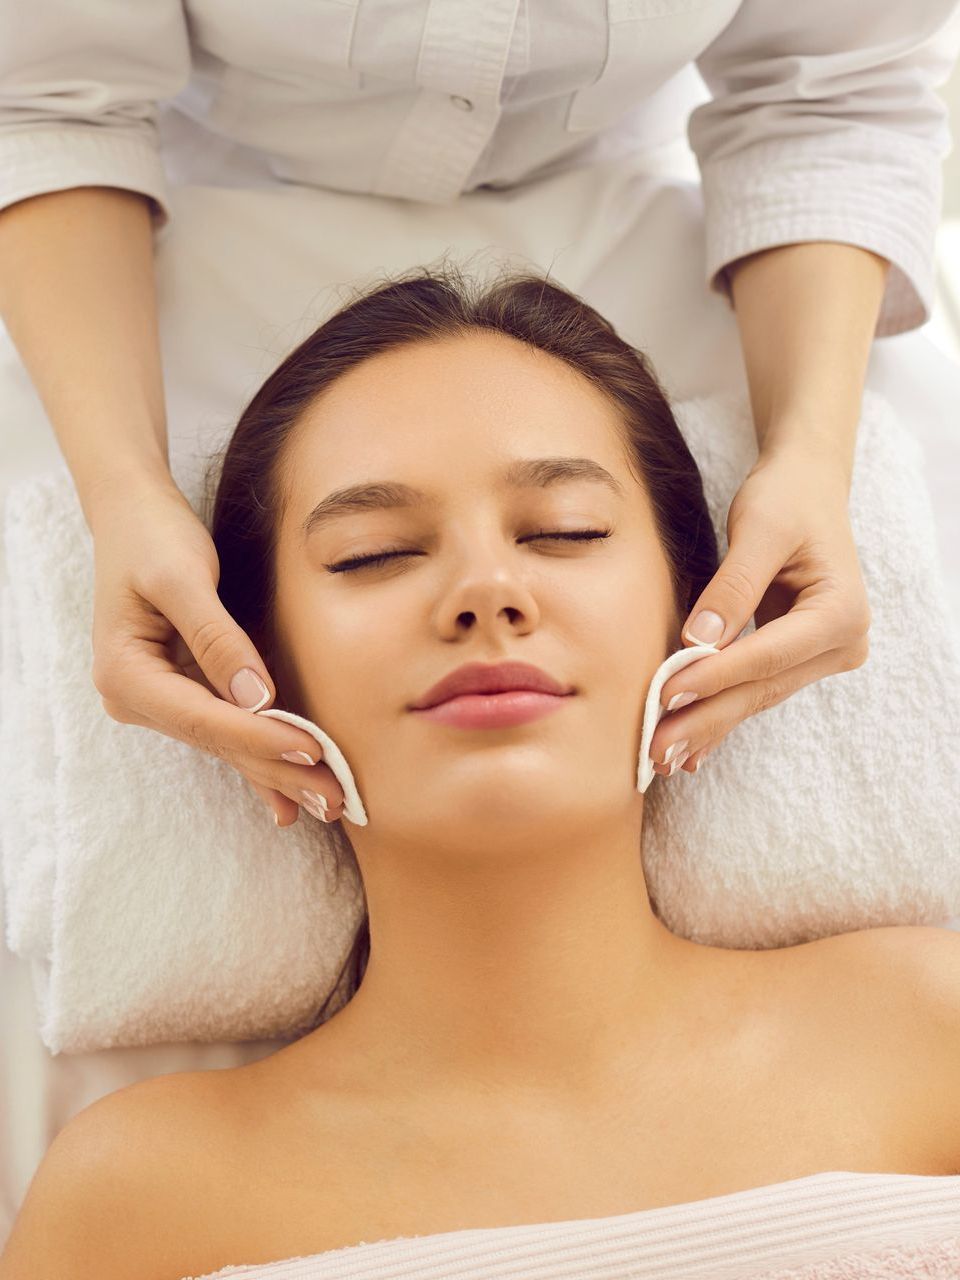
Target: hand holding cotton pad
x=353 y=809
x=653 y=712
x=333 y=757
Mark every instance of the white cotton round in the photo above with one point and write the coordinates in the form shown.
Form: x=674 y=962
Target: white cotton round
x=653 y=711
x=333 y=757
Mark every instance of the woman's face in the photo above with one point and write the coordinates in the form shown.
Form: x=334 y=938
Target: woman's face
x=477 y=582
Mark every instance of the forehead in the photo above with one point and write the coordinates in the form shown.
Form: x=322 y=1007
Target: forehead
x=451 y=409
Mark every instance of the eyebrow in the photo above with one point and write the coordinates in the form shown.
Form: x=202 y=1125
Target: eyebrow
x=386 y=495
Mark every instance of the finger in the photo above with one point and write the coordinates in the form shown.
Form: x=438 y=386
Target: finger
x=697 y=758
x=146 y=690
x=326 y=807
x=254 y=745
x=691 y=761
x=813 y=626
x=694 y=759
x=223 y=650
x=730 y=598
x=285 y=813
x=313 y=788
x=706 y=723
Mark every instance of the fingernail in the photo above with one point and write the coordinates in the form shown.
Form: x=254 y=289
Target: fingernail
x=248 y=690
x=313 y=800
x=276 y=818
x=680 y=700
x=315 y=804
x=297 y=757
x=678 y=764
x=677 y=746
x=706 y=628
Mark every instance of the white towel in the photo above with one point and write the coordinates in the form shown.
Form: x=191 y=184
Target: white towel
x=157 y=902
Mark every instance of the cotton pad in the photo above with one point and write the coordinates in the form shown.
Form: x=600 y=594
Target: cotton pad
x=333 y=757
x=653 y=711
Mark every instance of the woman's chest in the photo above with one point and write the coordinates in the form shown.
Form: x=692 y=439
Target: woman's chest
x=718 y=1122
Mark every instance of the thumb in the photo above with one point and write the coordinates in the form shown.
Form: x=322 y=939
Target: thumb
x=733 y=594
x=222 y=649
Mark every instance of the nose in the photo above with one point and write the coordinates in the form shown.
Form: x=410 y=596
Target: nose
x=488 y=596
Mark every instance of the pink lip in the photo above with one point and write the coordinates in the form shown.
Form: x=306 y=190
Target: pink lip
x=480 y=677
x=493 y=710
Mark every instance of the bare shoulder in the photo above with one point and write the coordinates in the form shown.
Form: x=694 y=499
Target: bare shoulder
x=898 y=988
x=926 y=958
x=916 y=965
x=113 y=1183
x=927 y=954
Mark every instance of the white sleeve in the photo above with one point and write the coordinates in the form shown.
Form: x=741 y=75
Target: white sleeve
x=80 y=82
x=824 y=125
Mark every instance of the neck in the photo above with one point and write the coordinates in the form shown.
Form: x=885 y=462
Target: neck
x=523 y=971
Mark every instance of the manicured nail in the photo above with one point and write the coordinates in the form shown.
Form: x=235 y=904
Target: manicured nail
x=706 y=628
x=680 y=700
x=248 y=690
x=678 y=764
x=276 y=818
x=315 y=802
x=672 y=751
x=298 y=757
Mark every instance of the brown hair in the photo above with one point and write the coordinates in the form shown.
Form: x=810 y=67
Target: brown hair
x=429 y=304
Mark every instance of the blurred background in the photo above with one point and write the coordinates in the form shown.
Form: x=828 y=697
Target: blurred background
x=944 y=328
x=942 y=445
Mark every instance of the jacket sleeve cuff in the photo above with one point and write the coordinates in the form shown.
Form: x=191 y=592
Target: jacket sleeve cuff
x=868 y=188
x=34 y=161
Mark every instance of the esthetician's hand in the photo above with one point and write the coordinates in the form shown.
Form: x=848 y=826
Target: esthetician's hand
x=791 y=561
x=167 y=655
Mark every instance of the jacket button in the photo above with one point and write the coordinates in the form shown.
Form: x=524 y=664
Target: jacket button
x=463 y=103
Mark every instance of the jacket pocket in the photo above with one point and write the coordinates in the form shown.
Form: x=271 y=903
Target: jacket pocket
x=298 y=39
x=648 y=41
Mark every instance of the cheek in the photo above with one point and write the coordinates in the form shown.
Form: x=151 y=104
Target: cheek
x=633 y=615
x=627 y=647
x=350 y=662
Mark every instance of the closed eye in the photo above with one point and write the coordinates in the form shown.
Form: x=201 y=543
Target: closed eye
x=368 y=562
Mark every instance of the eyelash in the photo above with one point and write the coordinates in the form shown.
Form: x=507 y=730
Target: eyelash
x=368 y=562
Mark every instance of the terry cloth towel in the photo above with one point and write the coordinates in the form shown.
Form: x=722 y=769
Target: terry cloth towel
x=157 y=902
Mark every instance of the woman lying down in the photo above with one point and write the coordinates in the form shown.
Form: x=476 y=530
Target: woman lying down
x=530 y=1074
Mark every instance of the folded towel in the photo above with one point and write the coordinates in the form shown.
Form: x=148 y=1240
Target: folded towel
x=156 y=901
